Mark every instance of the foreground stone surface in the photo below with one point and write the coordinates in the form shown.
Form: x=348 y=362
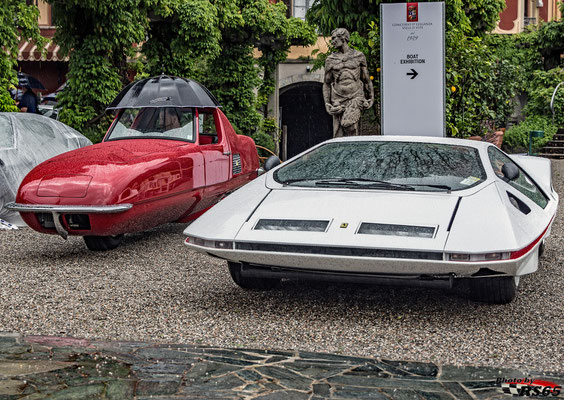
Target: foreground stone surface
x=38 y=367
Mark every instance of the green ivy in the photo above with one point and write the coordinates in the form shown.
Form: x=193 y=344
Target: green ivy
x=99 y=36
x=540 y=93
x=211 y=41
x=480 y=84
x=17 y=21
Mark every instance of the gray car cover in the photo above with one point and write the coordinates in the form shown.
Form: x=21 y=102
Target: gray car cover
x=27 y=140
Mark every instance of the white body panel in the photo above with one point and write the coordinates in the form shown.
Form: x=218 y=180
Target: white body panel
x=474 y=221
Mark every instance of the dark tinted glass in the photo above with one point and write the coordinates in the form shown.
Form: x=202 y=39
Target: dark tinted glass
x=418 y=164
x=522 y=183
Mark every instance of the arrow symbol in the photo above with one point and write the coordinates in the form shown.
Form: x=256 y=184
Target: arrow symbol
x=413 y=73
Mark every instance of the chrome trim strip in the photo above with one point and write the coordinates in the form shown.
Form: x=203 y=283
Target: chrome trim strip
x=111 y=209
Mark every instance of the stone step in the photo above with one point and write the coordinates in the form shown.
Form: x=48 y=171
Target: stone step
x=556 y=143
x=551 y=155
x=554 y=149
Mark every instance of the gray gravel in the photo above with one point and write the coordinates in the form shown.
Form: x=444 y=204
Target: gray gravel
x=153 y=288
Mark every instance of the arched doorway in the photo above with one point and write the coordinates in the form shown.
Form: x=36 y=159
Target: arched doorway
x=304 y=118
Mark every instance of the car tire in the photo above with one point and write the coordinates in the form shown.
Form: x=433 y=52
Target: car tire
x=102 y=243
x=495 y=290
x=250 y=283
x=541 y=249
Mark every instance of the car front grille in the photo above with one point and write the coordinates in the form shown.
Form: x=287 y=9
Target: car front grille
x=339 y=251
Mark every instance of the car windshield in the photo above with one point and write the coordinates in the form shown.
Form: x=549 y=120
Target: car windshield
x=386 y=165
x=153 y=122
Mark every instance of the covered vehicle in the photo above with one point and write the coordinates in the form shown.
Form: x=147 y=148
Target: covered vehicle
x=407 y=210
x=169 y=155
x=27 y=140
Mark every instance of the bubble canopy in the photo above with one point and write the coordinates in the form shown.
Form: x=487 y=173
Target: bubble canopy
x=164 y=91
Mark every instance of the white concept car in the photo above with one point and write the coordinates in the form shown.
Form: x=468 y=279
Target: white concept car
x=408 y=210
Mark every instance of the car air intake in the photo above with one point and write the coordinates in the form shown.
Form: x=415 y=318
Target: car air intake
x=518 y=203
x=368 y=228
x=237 y=167
x=339 y=251
x=291 y=225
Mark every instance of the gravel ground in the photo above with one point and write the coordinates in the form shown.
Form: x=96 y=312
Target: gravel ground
x=152 y=288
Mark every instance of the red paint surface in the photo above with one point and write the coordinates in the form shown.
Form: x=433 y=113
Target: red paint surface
x=165 y=180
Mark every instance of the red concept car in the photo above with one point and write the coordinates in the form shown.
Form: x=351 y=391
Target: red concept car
x=169 y=155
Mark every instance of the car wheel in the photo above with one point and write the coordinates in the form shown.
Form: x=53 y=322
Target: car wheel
x=541 y=249
x=250 y=283
x=102 y=243
x=496 y=290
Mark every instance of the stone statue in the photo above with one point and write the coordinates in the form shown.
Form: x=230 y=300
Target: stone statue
x=347 y=88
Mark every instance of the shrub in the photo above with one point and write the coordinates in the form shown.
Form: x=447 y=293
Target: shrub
x=517 y=137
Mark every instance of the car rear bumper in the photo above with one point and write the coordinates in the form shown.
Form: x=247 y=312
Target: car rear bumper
x=399 y=266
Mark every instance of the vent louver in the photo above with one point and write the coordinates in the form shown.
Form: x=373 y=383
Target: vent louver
x=237 y=167
x=367 y=228
x=291 y=225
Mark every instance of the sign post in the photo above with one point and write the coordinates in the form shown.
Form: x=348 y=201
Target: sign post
x=413 y=68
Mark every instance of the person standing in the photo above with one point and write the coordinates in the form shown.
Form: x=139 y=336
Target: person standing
x=28 y=102
x=347 y=88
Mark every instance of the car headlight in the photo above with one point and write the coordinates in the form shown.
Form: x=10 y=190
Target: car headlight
x=216 y=244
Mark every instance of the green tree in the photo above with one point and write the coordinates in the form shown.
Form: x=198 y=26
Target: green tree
x=211 y=41
x=99 y=35
x=182 y=36
x=473 y=17
x=17 y=21
x=479 y=82
x=236 y=74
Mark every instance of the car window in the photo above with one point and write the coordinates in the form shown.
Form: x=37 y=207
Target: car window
x=207 y=128
x=522 y=183
x=153 y=122
x=6 y=133
x=421 y=166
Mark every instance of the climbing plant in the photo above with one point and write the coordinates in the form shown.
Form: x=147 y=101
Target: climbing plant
x=17 y=21
x=212 y=41
x=479 y=87
x=99 y=34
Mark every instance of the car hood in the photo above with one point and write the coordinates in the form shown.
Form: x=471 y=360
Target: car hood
x=388 y=219
x=117 y=152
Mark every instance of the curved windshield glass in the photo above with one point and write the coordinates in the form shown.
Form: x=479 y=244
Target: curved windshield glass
x=153 y=122
x=386 y=165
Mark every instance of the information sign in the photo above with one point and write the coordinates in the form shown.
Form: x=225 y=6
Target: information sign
x=413 y=69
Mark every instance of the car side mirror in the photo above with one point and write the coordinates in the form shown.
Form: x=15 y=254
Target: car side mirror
x=510 y=171
x=271 y=162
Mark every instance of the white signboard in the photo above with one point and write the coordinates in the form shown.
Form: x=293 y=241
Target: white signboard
x=413 y=69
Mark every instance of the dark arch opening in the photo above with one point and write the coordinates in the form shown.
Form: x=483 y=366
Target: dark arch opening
x=304 y=118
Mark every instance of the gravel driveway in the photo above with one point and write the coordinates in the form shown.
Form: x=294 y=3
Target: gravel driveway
x=153 y=288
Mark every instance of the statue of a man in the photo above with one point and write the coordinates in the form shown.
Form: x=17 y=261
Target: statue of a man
x=347 y=88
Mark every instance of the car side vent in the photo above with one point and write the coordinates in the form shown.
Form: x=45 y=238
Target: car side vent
x=367 y=228
x=518 y=204
x=237 y=167
x=291 y=225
